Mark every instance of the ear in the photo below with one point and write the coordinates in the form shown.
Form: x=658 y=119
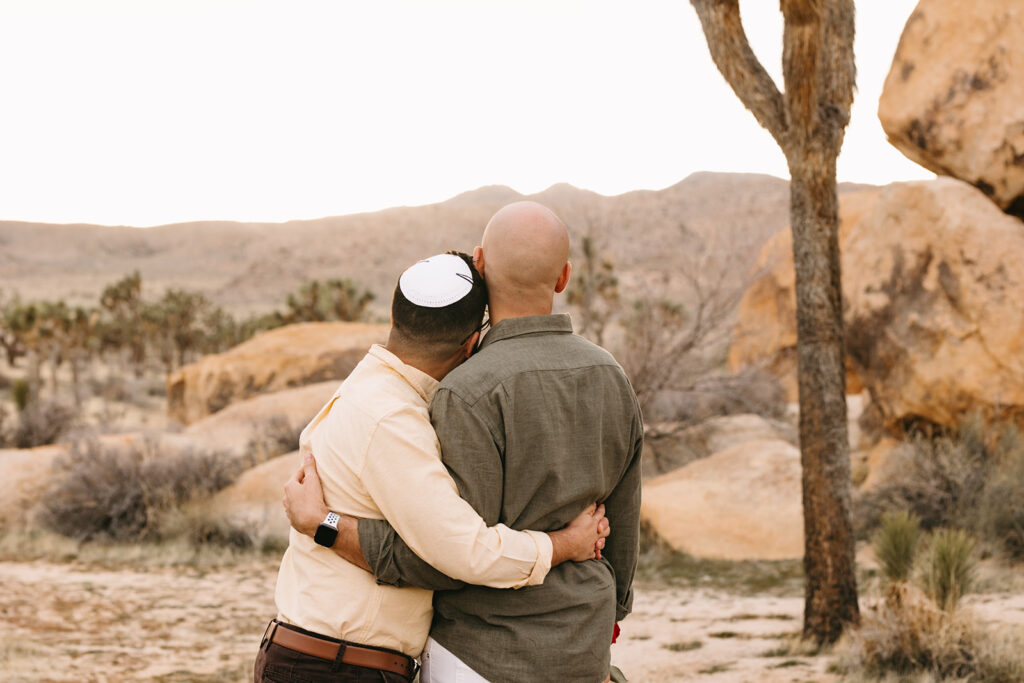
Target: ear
x=467 y=348
x=563 y=279
x=478 y=259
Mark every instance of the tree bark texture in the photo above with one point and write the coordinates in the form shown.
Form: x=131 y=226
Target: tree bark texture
x=829 y=565
x=808 y=121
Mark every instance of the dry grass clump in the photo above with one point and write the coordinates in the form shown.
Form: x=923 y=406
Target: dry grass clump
x=123 y=493
x=917 y=632
x=907 y=634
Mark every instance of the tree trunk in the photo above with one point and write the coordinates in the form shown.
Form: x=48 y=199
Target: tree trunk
x=831 y=586
x=808 y=121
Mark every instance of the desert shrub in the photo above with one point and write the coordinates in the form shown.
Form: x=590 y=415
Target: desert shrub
x=948 y=567
x=119 y=493
x=42 y=422
x=896 y=544
x=908 y=634
x=271 y=437
x=942 y=483
x=1001 y=512
x=971 y=478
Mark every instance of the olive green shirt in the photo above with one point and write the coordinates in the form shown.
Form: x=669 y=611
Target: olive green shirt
x=535 y=426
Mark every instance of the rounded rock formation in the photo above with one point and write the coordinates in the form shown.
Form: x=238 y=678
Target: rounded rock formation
x=284 y=358
x=933 y=279
x=953 y=99
x=743 y=503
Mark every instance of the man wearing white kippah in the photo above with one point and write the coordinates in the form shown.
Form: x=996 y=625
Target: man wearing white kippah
x=379 y=459
x=538 y=421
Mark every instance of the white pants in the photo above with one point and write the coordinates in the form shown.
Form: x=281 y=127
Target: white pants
x=441 y=666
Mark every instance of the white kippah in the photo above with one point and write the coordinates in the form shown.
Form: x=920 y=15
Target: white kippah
x=436 y=281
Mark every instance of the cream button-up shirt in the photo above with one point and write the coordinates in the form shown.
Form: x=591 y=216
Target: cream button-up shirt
x=378 y=458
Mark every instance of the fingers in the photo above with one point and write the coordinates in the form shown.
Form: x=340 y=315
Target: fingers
x=604 y=527
x=597 y=511
x=309 y=465
x=590 y=509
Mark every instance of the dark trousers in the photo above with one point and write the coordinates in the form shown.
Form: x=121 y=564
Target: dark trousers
x=277 y=664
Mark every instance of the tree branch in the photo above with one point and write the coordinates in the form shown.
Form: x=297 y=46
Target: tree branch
x=740 y=67
x=837 y=88
x=801 y=57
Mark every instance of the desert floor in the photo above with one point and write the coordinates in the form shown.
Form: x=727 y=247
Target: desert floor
x=62 y=622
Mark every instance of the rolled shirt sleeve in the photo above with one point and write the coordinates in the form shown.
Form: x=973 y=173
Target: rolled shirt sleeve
x=416 y=494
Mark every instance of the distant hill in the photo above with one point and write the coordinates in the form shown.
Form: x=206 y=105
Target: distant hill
x=252 y=266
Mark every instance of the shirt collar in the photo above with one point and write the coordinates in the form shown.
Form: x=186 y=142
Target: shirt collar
x=558 y=323
x=424 y=384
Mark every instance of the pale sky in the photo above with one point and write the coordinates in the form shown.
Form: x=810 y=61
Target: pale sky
x=143 y=112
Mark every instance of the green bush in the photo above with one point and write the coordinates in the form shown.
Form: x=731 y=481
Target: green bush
x=896 y=544
x=948 y=567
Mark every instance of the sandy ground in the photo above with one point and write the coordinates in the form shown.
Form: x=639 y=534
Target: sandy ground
x=61 y=622
x=73 y=622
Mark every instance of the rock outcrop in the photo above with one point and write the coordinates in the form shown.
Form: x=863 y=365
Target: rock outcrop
x=254 y=422
x=668 y=447
x=25 y=476
x=933 y=279
x=740 y=504
x=934 y=319
x=284 y=358
x=253 y=502
x=953 y=99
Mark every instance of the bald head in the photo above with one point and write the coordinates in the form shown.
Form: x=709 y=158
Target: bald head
x=526 y=251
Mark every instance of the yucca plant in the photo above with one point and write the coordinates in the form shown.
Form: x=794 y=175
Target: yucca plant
x=948 y=568
x=896 y=544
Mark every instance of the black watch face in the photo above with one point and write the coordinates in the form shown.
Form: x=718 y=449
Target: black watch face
x=325 y=535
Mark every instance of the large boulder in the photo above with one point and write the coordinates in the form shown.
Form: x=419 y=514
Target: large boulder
x=264 y=421
x=933 y=279
x=953 y=99
x=253 y=501
x=743 y=503
x=765 y=332
x=934 y=315
x=284 y=358
x=669 y=446
x=25 y=476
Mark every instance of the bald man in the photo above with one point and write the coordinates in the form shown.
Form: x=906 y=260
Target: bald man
x=534 y=426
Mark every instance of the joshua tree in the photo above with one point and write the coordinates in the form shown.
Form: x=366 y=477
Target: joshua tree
x=808 y=122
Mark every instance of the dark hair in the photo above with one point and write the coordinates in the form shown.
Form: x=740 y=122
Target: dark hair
x=440 y=331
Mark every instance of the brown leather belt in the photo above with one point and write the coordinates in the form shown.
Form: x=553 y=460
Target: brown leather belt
x=353 y=654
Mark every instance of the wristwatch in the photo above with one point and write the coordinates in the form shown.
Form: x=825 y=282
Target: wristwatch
x=327 y=532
